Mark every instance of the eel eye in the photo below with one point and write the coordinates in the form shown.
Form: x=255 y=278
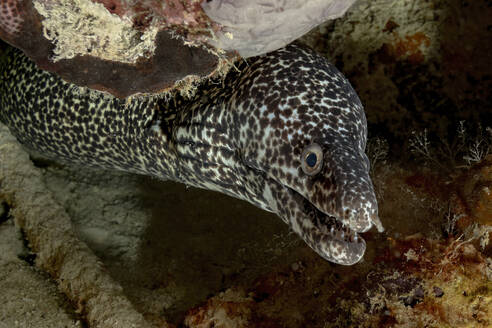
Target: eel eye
x=312 y=159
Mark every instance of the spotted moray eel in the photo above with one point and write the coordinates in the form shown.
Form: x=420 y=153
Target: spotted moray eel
x=285 y=132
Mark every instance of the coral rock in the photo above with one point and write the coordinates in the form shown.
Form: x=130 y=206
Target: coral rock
x=128 y=47
x=110 y=46
x=474 y=191
x=229 y=309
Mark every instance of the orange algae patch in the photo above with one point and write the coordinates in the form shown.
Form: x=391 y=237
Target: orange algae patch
x=411 y=46
x=408 y=47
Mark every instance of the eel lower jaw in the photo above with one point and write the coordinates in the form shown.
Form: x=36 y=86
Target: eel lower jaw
x=325 y=234
x=337 y=243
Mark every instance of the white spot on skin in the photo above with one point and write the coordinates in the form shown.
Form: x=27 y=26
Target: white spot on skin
x=268 y=196
x=156 y=127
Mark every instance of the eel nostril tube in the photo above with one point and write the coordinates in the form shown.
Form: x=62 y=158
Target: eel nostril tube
x=377 y=223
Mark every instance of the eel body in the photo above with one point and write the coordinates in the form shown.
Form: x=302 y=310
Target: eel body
x=285 y=131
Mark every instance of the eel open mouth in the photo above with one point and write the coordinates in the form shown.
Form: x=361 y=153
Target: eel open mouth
x=333 y=240
x=324 y=233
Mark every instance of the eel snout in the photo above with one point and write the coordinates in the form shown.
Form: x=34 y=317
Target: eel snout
x=356 y=203
x=362 y=217
x=343 y=189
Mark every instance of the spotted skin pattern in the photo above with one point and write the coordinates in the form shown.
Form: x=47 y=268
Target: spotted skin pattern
x=10 y=17
x=243 y=136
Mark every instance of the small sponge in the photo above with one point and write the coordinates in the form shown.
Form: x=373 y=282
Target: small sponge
x=10 y=19
x=255 y=27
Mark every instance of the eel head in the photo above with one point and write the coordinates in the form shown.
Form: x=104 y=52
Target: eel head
x=307 y=141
